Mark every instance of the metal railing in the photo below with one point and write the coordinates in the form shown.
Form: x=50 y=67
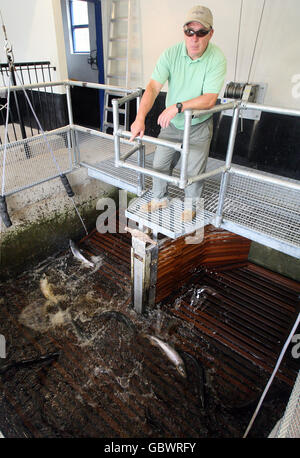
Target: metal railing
x=183 y=181
x=236 y=193
x=22 y=123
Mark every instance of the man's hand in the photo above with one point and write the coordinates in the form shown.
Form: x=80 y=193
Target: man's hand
x=137 y=129
x=166 y=116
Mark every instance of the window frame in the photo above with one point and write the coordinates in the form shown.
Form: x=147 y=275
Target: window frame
x=76 y=27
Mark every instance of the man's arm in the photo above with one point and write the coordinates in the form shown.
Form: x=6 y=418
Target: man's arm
x=203 y=102
x=138 y=126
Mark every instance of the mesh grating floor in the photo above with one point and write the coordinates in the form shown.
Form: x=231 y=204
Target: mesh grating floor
x=34 y=160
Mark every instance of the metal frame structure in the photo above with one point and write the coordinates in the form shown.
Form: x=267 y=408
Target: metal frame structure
x=225 y=183
x=219 y=218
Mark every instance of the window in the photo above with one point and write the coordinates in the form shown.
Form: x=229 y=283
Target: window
x=80 y=26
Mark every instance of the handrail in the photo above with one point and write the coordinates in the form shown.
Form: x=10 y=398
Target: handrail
x=217 y=108
x=3 y=89
x=182 y=148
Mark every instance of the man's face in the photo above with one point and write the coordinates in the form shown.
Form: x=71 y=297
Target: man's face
x=196 y=46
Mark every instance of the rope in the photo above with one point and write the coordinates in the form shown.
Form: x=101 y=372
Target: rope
x=5 y=141
x=238 y=40
x=273 y=375
x=254 y=50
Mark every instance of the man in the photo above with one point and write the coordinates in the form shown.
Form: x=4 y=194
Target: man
x=195 y=70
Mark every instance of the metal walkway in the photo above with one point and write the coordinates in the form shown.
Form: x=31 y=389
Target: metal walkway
x=259 y=206
x=264 y=211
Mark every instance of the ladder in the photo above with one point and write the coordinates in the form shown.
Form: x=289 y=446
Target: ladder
x=117 y=60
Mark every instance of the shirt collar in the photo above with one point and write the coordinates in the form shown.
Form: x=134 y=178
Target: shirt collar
x=185 y=54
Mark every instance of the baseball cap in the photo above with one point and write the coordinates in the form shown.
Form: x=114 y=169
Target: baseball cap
x=200 y=14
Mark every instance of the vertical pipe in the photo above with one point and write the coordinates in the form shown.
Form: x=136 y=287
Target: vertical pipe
x=115 y=106
x=100 y=57
x=232 y=135
x=225 y=176
x=141 y=163
x=74 y=141
x=185 y=148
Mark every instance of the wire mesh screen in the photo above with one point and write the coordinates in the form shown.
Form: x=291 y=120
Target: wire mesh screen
x=264 y=207
x=95 y=148
x=290 y=424
x=34 y=160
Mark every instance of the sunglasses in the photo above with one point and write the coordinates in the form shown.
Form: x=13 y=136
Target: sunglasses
x=199 y=33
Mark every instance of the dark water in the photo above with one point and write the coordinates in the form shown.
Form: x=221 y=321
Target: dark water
x=107 y=379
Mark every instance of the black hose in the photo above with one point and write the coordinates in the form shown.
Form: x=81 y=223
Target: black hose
x=67 y=185
x=4 y=213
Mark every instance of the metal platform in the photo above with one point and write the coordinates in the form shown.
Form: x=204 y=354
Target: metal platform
x=267 y=212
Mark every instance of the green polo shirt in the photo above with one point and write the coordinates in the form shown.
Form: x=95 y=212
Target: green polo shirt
x=189 y=78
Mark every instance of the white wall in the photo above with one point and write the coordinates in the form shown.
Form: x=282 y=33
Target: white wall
x=276 y=61
x=35 y=29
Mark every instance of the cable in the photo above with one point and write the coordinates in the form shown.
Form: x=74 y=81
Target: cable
x=258 y=30
x=238 y=40
x=5 y=141
x=273 y=374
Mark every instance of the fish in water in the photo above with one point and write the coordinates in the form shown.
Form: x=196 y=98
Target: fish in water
x=78 y=255
x=47 y=291
x=170 y=352
x=119 y=317
x=29 y=362
x=200 y=376
x=140 y=235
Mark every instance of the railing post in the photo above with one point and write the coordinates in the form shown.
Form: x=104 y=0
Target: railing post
x=185 y=148
x=115 y=106
x=74 y=136
x=225 y=176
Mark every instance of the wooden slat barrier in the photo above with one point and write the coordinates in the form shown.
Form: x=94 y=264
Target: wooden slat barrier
x=177 y=259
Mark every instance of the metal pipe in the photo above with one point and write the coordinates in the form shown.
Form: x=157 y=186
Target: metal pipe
x=150 y=172
x=98 y=133
x=185 y=148
x=270 y=109
x=229 y=154
x=217 y=108
x=11 y=193
x=141 y=163
x=35 y=137
x=115 y=106
x=129 y=97
x=203 y=176
x=129 y=153
x=232 y=136
x=99 y=86
x=69 y=106
x=152 y=140
x=265 y=178
x=3 y=89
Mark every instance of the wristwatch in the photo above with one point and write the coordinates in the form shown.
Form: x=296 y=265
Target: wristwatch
x=179 y=107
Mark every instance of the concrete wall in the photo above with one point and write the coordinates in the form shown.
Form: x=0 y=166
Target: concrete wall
x=43 y=216
x=276 y=59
